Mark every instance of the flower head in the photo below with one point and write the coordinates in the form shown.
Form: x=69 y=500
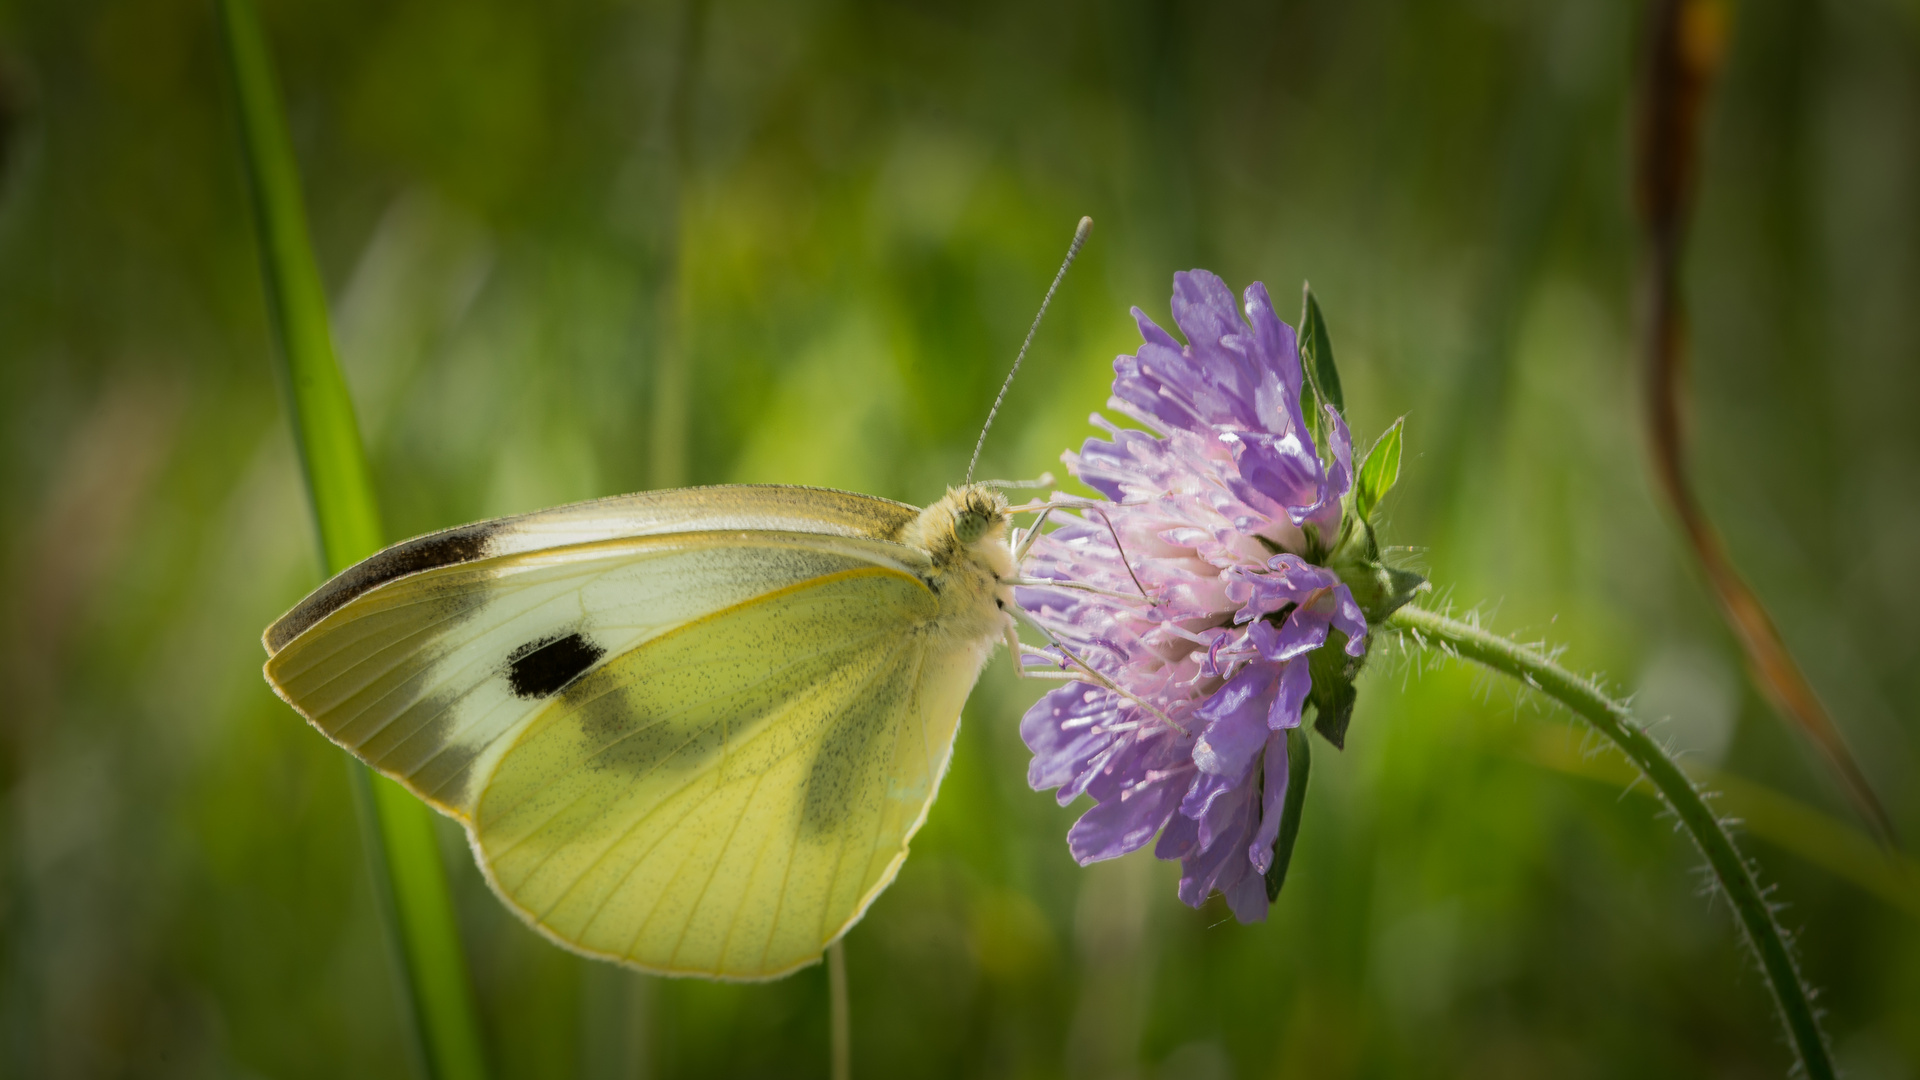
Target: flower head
x=1198 y=595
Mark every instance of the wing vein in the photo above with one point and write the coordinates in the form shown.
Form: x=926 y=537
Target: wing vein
x=655 y=721
x=664 y=799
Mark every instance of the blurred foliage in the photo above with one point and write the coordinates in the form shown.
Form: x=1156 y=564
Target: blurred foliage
x=803 y=241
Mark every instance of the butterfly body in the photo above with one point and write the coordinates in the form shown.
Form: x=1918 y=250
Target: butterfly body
x=689 y=731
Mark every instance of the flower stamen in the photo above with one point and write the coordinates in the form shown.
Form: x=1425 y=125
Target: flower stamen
x=1094 y=675
x=1124 y=561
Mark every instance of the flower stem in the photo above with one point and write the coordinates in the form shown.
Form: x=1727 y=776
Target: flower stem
x=840 y=1027
x=410 y=880
x=1612 y=719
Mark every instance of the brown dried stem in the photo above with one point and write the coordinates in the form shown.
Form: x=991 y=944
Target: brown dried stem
x=1685 y=42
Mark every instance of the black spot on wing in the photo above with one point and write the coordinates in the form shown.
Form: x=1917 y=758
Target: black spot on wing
x=541 y=668
x=451 y=547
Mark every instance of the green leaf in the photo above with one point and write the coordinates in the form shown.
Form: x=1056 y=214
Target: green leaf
x=1333 y=709
x=1316 y=353
x=1378 y=473
x=1333 y=692
x=1299 y=759
x=1309 y=400
x=411 y=881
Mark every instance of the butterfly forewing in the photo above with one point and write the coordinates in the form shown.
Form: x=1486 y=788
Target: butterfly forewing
x=424 y=676
x=756 y=507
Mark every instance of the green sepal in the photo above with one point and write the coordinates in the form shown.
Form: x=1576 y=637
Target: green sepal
x=1379 y=589
x=1333 y=694
x=1379 y=472
x=1316 y=356
x=1299 y=759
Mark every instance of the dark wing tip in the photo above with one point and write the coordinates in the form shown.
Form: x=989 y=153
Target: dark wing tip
x=465 y=544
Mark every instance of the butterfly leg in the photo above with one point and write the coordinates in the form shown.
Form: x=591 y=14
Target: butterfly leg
x=1054 y=583
x=1027 y=538
x=1018 y=650
x=1086 y=671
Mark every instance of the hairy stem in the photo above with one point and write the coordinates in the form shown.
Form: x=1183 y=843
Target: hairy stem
x=1612 y=719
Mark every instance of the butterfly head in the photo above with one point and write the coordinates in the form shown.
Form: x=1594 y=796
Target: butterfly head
x=980 y=510
x=969 y=524
x=964 y=536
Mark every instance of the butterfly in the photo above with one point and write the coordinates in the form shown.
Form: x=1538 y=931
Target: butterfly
x=690 y=731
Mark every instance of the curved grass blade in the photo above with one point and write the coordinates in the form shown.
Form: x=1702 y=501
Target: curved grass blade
x=1685 y=45
x=409 y=877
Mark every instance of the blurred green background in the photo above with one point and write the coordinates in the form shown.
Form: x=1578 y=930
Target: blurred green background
x=587 y=247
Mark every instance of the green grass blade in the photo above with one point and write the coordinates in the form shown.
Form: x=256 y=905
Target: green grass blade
x=411 y=879
x=322 y=414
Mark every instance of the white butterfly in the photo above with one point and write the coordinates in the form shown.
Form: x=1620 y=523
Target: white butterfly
x=691 y=731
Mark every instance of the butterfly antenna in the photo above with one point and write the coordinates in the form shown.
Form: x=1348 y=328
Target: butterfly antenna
x=1079 y=240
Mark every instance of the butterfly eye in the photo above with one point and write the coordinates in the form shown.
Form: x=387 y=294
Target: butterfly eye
x=969 y=525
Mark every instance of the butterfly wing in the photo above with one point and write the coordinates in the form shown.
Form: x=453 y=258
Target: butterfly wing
x=774 y=507
x=727 y=798
x=751 y=685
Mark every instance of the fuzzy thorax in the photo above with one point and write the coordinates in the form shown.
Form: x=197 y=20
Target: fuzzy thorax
x=965 y=537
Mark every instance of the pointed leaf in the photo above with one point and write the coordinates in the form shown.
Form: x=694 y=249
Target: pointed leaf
x=1333 y=711
x=1316 y=353
x=1378 y=473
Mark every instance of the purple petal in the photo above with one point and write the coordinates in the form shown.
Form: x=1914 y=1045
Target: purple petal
x=1291 y=580
x=1247 y=897
x=1235 y=719
x=1349 y=620
x=1280 y=351
x=1304 y=631
x=1125 y=823
x=1230 y=823
x=1065 y=730
x=1279 y=467
x=1295 y=683
x=1203 y=308
x=1180 y=838
x=1273 y=801
x=1339 y=475
x=1232 y=817
x=1203 y=804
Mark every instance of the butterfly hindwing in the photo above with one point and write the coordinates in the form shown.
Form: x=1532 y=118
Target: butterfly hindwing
x=726 y=798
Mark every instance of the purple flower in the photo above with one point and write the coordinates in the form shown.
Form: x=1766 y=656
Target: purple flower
x=1218 y=509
